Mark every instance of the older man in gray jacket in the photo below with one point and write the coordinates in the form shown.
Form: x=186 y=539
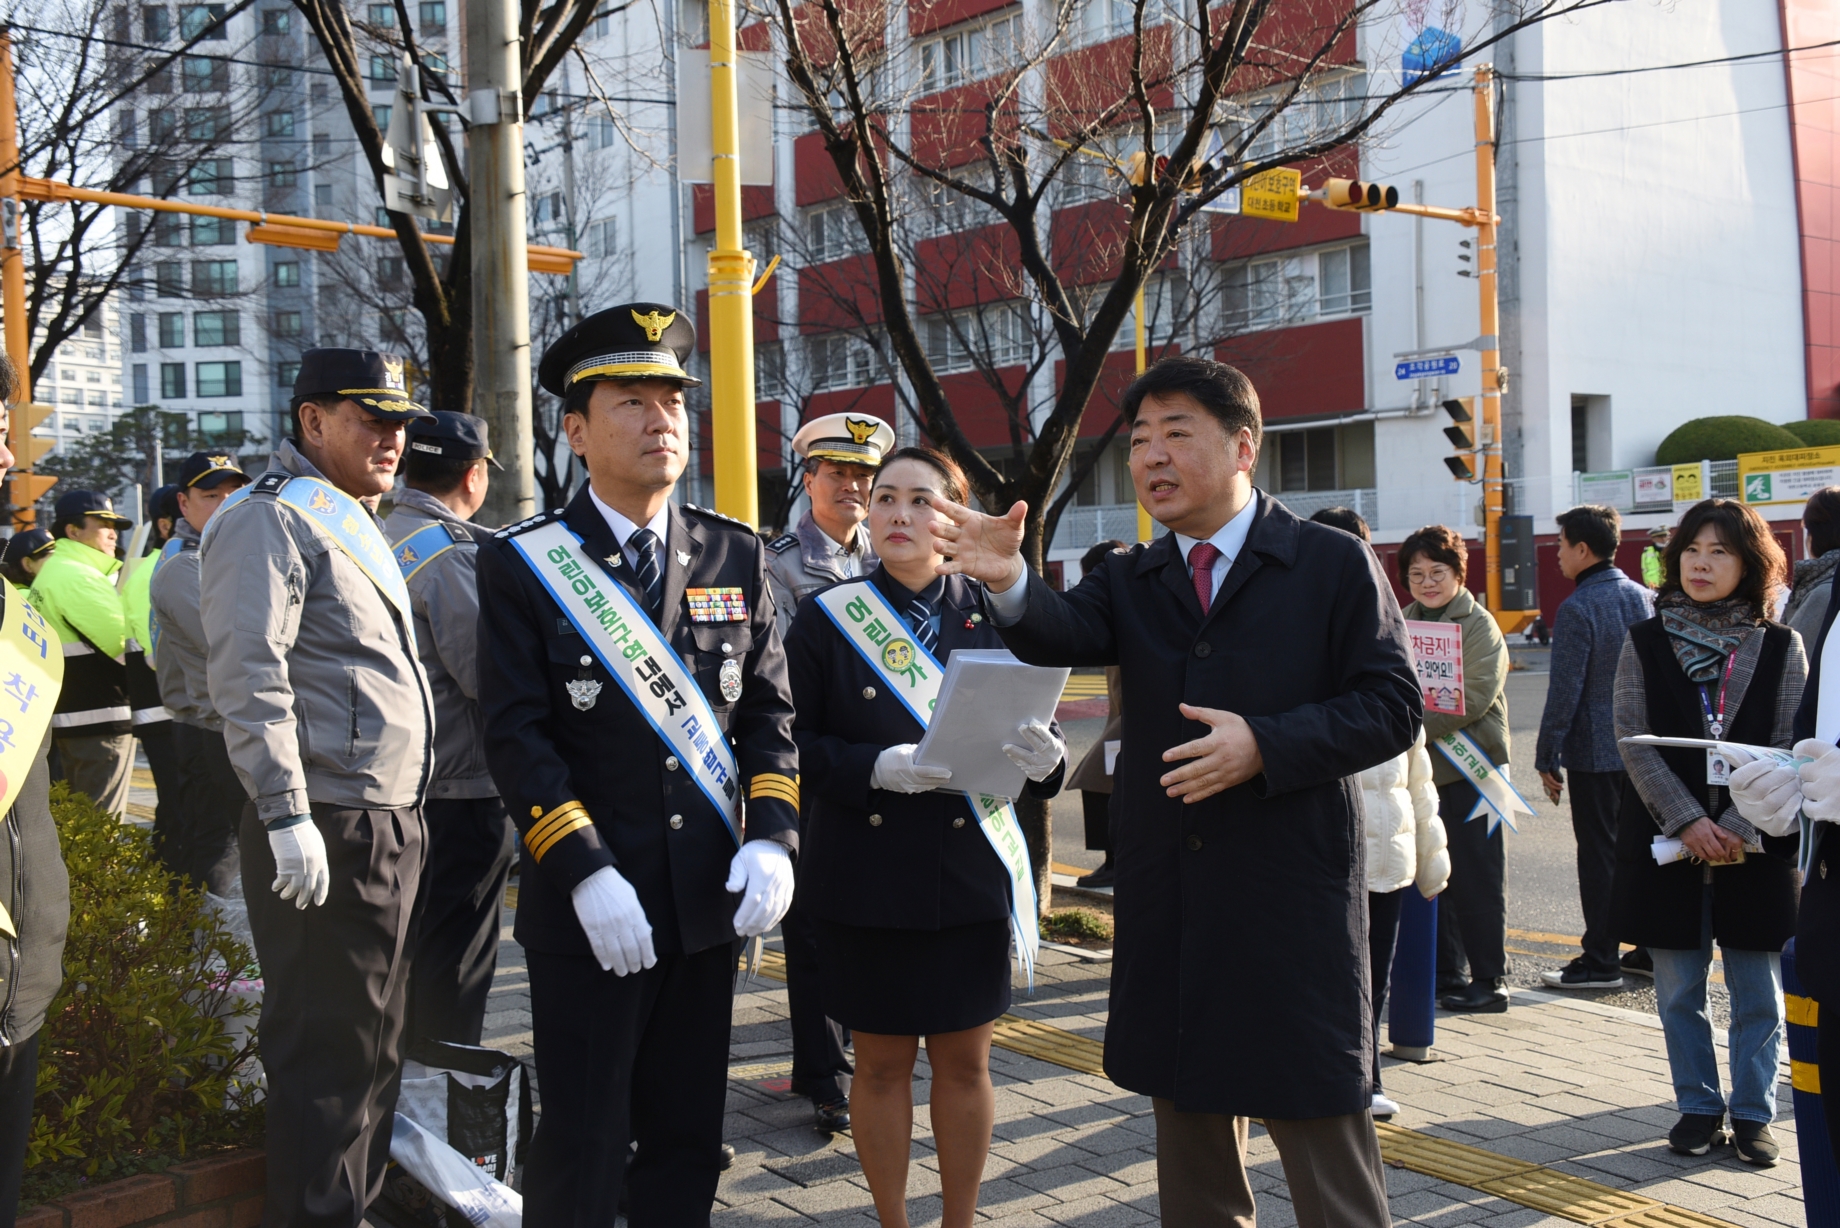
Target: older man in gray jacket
x=470 y=837
x=328 y=720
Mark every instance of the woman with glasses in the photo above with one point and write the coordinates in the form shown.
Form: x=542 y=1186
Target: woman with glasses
x=1473 y=918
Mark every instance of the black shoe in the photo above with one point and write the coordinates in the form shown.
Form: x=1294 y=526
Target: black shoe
x=1102 y=877
x=1580 y=975
x=725 y=1158
x=1451 y=982
x=1485 y=997
x=832 y=1116
x=1754 y=1143
x=1638 y=963
x=1697 y=1133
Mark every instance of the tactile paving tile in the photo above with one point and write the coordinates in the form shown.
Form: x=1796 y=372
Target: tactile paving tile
x=1444 y=1159
x=1050 y=1044
x=1570 y=1197
x=760 y=1070
x=1665 y=1216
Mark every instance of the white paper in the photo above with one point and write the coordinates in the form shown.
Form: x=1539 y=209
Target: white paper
x=1666 y=851
x=1745 y=751
x=986 y=694
x=1111 y=755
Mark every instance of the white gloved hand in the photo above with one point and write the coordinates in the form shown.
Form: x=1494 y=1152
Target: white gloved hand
x=896 y=771
x=612 y=917
x=762 y=872
x=1820 y=779
x=301 y=871
x=1036 y=750
x=1769 y=796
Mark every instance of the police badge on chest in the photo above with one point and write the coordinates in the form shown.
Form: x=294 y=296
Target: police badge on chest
x=583 y=690
x=730 y=680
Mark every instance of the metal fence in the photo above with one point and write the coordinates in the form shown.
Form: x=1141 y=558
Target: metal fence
x=1650 y=489
x=1080 y=527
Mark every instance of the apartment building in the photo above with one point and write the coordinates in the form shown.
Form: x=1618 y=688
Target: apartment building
x=83 y=380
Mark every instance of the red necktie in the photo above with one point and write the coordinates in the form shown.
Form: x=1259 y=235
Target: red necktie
x=1202 y=558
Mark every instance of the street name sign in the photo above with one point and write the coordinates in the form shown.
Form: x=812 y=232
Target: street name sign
x=1420 y=368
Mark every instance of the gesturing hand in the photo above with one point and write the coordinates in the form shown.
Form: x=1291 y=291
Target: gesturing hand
x=1225 y=756
x=987 y=548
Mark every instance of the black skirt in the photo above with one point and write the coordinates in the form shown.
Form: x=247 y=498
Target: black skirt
x=914 y=982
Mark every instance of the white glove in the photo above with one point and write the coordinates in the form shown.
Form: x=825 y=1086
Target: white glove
x=762 y=872
x=301 y=872
x=609 y=911
x=1820 y=779
x=896 y=771
x=1039 y=752
x=1769 y=795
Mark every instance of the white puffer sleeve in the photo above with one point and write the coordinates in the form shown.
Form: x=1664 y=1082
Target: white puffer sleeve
x=1427 y=827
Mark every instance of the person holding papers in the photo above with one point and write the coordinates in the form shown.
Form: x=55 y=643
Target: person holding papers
x=1710 y=664
x=915 y=889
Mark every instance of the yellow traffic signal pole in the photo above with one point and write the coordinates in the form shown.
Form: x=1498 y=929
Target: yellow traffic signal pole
x=12 y=258
x=731 y=273
x=1492 y=373
x=1144 y=526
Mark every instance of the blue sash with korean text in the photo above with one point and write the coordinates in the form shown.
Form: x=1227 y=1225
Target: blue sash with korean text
x=417 y=550
x=629 y=646
x=913 y=675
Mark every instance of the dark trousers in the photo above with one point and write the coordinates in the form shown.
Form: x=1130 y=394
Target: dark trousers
x=1596 y=796
x=1332 y=1165
x=18 y=1084
x=643 y=1058
x=819 y=1062
x=156 y=738
x=1096 y=809
x=1473 y=911
x=1382 y=937
x=1827 y=1058
x=471 y=844
x=201 y=830
x=336 y=984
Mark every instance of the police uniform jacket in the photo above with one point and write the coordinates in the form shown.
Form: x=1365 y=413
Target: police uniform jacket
x=142 y=683
x=805 y=560
x=310 y=665
x=873 y=857
x=1817 y=926
x=599 y=787
x=179 y=649
x=75 y=591
x=444 y=594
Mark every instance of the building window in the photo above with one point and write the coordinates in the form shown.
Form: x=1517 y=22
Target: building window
x=1319 y=458
x=383 y=67
x=831 y=232
x=287 y=324
x=212 y=278
x=276 y=22
x=218 y=425
x=1295 y=289
x=278 y=124
x=434 y=14
x=287 y=273
x=840 y=360
x=1344 y=283
x=137 y=334
x=162 y=126
x=769 y=372
x=211 y=177
x=126 y=131
x=601 y=131
x=207 y=123
x=967 y=52
x=202 y=74
x=195 y=19
x=156 y=23
x=390 y=271
x=322 y=144
x=1319 y=113
x=277 y=76
x=282 y=175
x=220 y=379
x=381 y=114
x=169 y=278
x=142 y=390
x=207 y=231
x=286 y=373
x=172 y=379
x=998 y=335
x=168 y=230
x=603 y=238
x=322 y=194
x=383 y=16
x=172 y=330
x=216 y=328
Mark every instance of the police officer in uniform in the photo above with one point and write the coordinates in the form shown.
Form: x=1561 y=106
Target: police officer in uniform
x=202 y=844
x=153 y=724
x=597 y=620
x=470 y=839
x=328 y=720
x=841 y=454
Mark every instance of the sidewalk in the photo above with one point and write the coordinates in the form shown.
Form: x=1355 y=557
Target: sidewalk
x=1551 y=1114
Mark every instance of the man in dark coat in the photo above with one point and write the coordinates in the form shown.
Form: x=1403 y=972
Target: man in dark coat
x=1264 y=664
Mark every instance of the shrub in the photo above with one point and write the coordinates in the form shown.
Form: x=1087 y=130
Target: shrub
x=135 y=1067
x=1722 y=438
x=1816 y=432
x=1077 y=925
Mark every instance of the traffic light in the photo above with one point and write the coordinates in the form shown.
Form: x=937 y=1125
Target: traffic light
x=1361 y=197
x=26 y=447
x=1462 y=435
x=23 y=491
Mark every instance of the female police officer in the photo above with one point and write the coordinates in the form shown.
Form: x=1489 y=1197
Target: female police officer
x=902 y=876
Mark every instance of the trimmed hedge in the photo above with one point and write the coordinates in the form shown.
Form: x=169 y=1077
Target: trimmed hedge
x=1816 y=432
x=1722 y=438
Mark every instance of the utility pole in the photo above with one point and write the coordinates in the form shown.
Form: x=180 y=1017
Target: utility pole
x=1145 y=527
x=23 y=487
x=731 y=276
x=1493 y=377
x=501 y=272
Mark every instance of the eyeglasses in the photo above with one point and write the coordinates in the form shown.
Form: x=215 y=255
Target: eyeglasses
x=1435 y=575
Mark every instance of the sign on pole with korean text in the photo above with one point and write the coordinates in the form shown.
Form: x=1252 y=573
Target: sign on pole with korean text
x=1419 y=368
x=1271 y=194
x=1437 y=652
x=1786 y=477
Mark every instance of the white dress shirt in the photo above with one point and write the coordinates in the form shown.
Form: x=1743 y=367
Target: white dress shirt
x=1006 y=607
x=623 y=529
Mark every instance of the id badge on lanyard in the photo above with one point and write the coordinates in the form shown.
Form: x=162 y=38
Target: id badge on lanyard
x=1718 y=767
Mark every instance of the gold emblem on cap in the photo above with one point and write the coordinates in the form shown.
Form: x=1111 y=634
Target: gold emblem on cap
x=653 y=323
x=393 y=372
x=861 y=430
x=218 y=462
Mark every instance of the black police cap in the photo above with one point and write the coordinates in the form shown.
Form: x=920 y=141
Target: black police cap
x=165 y=501
x=74 y=506
x=631 y=341
x=375 y=381
x=451 y=436
x=29 y=544
x=209 y=470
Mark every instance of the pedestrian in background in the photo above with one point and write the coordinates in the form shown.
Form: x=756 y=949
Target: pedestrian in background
x=153 y=724
x=25 y=553
x=1473 y=924
x=1577 y=743
x=1813 y=581
x=1710 y=665
x=1651 y=556
x=1093 y=777
x=1406 y=843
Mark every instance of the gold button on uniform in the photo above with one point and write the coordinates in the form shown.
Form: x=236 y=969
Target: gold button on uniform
x=958 y=822
x=677 y=821
x=868 y=692
x=875 y=820
x=670 y=763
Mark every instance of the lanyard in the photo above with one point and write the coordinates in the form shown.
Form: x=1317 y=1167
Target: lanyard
x=1717 y=723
